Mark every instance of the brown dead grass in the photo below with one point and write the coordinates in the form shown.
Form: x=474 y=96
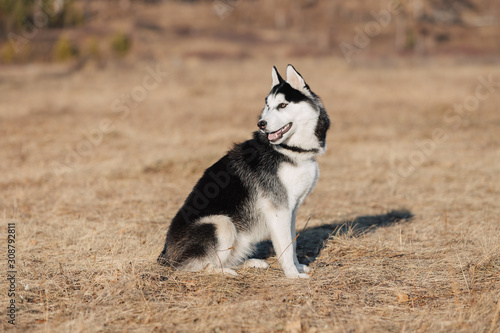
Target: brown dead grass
x=87 y=243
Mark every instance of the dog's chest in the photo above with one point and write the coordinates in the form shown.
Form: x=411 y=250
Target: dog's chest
x=299 y=180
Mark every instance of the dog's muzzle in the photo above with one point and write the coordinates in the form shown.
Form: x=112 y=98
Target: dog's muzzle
x=262 y=124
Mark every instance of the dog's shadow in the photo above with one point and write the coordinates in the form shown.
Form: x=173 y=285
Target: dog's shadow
x=311 y=241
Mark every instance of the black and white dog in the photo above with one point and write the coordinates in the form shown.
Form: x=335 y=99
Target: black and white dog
x=254 y=191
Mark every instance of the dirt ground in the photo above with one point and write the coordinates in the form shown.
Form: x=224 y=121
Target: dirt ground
x=402 y=231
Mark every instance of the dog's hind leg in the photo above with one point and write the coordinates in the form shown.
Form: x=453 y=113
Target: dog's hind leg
x=255 y=263
x=226 y=238
x=207 y=246
x=220 y=270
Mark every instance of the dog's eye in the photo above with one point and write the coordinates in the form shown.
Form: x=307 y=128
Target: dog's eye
x=282 y=105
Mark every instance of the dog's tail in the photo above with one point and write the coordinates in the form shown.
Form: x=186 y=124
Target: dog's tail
x=163 y=258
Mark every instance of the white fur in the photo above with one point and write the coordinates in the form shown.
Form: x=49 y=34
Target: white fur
x=303 y=117
x=299 y=178
x=295 y=79
x=299 y=181
x=233 y=247
x=256 y=263
x=275 y=77
x=226 y=235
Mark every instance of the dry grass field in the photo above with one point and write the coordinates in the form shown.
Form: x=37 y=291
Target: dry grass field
x=395 y=245
x=402 y=231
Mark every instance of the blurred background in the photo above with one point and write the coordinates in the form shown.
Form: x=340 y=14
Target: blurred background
x=110 y=110
x=158 y=90
x=122 y=87
x=48 y=31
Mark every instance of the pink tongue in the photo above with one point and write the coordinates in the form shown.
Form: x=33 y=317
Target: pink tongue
x=274 y=136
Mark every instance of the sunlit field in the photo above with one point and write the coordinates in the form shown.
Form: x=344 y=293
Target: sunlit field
x=402 y=231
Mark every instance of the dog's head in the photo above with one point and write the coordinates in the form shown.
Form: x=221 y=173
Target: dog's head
x=293 y=114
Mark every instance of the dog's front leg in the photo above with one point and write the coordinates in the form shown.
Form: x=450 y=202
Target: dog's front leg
x=280 y=227
x=300 y=267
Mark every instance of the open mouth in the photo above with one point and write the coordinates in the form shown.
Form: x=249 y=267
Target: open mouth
x=275 y=136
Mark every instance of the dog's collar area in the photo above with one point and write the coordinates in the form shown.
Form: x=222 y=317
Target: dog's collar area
x=298 y=149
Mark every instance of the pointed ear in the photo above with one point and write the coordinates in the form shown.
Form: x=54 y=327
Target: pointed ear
x=294 y=79
x=277 y=79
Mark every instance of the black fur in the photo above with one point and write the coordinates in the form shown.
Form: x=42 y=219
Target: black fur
x=231 y=186
x=291 y=94
x=323 y=123
x=222 y=190
x=298 y=149
x=296 y=96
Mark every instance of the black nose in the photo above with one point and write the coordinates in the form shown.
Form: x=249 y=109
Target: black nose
x=262 y=124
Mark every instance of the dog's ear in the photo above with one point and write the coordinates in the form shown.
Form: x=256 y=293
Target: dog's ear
x=277 y=79
x=295 y=80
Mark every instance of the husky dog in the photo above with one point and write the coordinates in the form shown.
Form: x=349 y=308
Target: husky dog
x=254 y=191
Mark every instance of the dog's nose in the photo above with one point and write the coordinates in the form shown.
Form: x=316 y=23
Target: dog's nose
x=262 y=124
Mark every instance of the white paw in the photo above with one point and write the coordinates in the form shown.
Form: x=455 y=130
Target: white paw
x=228 y=271
x=217 y=270
x=256 y=263
x=303 y=268
x=296 y=275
